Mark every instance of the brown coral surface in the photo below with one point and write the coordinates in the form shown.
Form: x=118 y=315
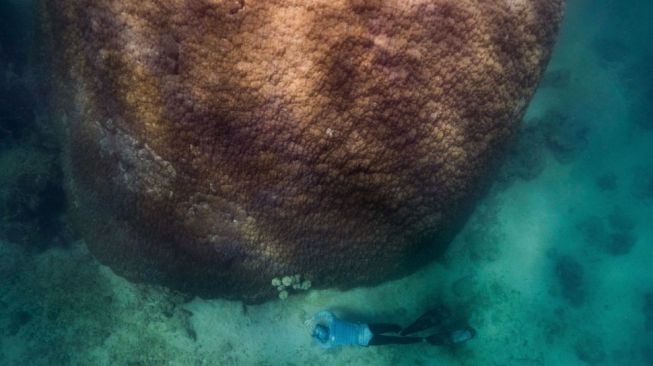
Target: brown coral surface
x=212 y=145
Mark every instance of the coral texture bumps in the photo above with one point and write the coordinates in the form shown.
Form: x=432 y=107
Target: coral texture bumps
x=213 y=145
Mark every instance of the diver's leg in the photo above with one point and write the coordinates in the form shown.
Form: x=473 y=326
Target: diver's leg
x=438 y=339
x=379 y=340
x=378 y=328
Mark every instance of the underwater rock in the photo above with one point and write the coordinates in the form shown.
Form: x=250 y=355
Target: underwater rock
x=570 y=275
x=214 y=145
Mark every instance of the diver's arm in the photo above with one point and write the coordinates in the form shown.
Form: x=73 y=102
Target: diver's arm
x=324 y=317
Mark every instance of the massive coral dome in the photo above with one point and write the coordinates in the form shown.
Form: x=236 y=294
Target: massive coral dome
x=212 y=145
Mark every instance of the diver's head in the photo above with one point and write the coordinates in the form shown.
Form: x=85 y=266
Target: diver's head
x=463 y=335
x=321 y=333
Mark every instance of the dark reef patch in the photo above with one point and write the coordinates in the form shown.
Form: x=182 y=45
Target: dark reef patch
x=556 y=78
x=647 y=355
x=589 y=348
x=594 y=230
x=570 y=276
x=613 y=235
x=17 y=320
x=607 y=182
x=642 y=100
x=620 y=243
x=647 y=308
x=16 y=108
x=643 y=108
x=16 y=30
x=565 y=135
x=622 y=239
x=611 y=50
x=17 y=104
x=32 y=199
x=524 y=156
x=642 y=183
x=634 y=73
x=562 y=134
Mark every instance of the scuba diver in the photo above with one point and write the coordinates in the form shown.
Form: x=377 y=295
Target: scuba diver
x=329 y=331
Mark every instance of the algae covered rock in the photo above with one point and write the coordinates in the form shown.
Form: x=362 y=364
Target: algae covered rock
x=215 y=145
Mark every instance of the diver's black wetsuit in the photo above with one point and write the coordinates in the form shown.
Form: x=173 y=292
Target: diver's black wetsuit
x=378 y=338
x=448 y=331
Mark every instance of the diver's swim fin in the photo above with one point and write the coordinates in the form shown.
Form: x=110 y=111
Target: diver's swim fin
x=435 y=317
x=456 y=337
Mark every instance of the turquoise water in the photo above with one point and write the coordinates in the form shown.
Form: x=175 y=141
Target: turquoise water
x=555 y=266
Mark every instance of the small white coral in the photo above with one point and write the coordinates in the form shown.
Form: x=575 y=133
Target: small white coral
x=287 y=280
x=285 y=283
